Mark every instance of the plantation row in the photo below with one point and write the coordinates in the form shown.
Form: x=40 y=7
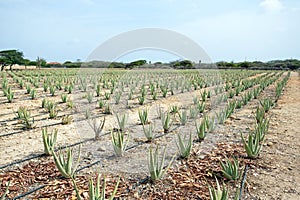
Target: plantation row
x=218 y=99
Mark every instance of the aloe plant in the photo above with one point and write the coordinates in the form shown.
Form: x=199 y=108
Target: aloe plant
x=149 y=132
x=117 y=97
x=67 y=119
x=95 y=193
x=193 y=112
x=97 y=127
x=262 y=128
x=174 y=109
x=184 y=145
x=52 y=90
x=119 y=142
x=28 y=89
x=218 y=193
x=201 y=106
x=260 y=114
x=64 y=98
x=65 y=162
x=252 y=146
x=166 y=121
x=49 y=141
x=156 y=167
x=143 y=116
x=201 y=129
x=267 y=104
x=44 y=103
x=141 y=100
x=221 y=116
x=98 y=90
x=9 y=94
x=122 y=121
x=89 y=97
x=230 y=169
x=183 y=117
x=24 y=115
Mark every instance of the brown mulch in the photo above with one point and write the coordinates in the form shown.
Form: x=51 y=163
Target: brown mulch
x=188 y=180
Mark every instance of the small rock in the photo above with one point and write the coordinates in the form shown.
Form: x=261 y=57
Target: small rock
x=270 y=144
x=101 y=149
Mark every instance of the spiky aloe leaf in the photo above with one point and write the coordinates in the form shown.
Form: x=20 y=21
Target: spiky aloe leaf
x=6 y=191
x=49 y=141
x=64 y=162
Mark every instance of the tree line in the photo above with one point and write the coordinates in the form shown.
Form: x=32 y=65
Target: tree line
x=13 y=57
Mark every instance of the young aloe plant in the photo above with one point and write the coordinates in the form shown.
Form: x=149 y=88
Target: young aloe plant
x=230 y=169
x=122 y=120
x=143 y=115
x=267 y=104
x=218 y=193
x=67 y=119
x=49 y=141
x=64 y=98
x=166 y=121
x=201 y=106
x=156 y=167
x=262 y=128
x=148 y=132
x=174 y=109
x=141 y=100
x=260 y=114
x=201 y=129
x=119 y=142
x=9 y=94
x=97 y=127
x=64 y=162
x=183 y=117
x=184 y=145
x=221 y=116
x=252 y=146
x=95 y=193
x=25 y=117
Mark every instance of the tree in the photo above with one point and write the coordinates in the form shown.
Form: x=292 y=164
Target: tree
x=10 y=58
x=26 y=62
x=40 y=62
x=135 y=64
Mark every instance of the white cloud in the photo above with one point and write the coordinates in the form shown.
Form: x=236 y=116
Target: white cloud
x=271 y=5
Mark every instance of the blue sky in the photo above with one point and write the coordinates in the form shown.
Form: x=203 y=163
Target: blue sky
x=231 y=30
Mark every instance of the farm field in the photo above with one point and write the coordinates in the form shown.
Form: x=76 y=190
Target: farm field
x=210 y=109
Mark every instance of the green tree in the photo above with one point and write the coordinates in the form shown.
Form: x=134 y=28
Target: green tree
x=10 y=58
x=40 y=62
x=135 y=64
x=26 y=62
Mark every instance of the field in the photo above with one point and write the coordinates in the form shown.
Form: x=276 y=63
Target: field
x=217 y=113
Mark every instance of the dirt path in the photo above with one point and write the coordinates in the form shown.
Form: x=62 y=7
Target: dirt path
x=281 y=179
